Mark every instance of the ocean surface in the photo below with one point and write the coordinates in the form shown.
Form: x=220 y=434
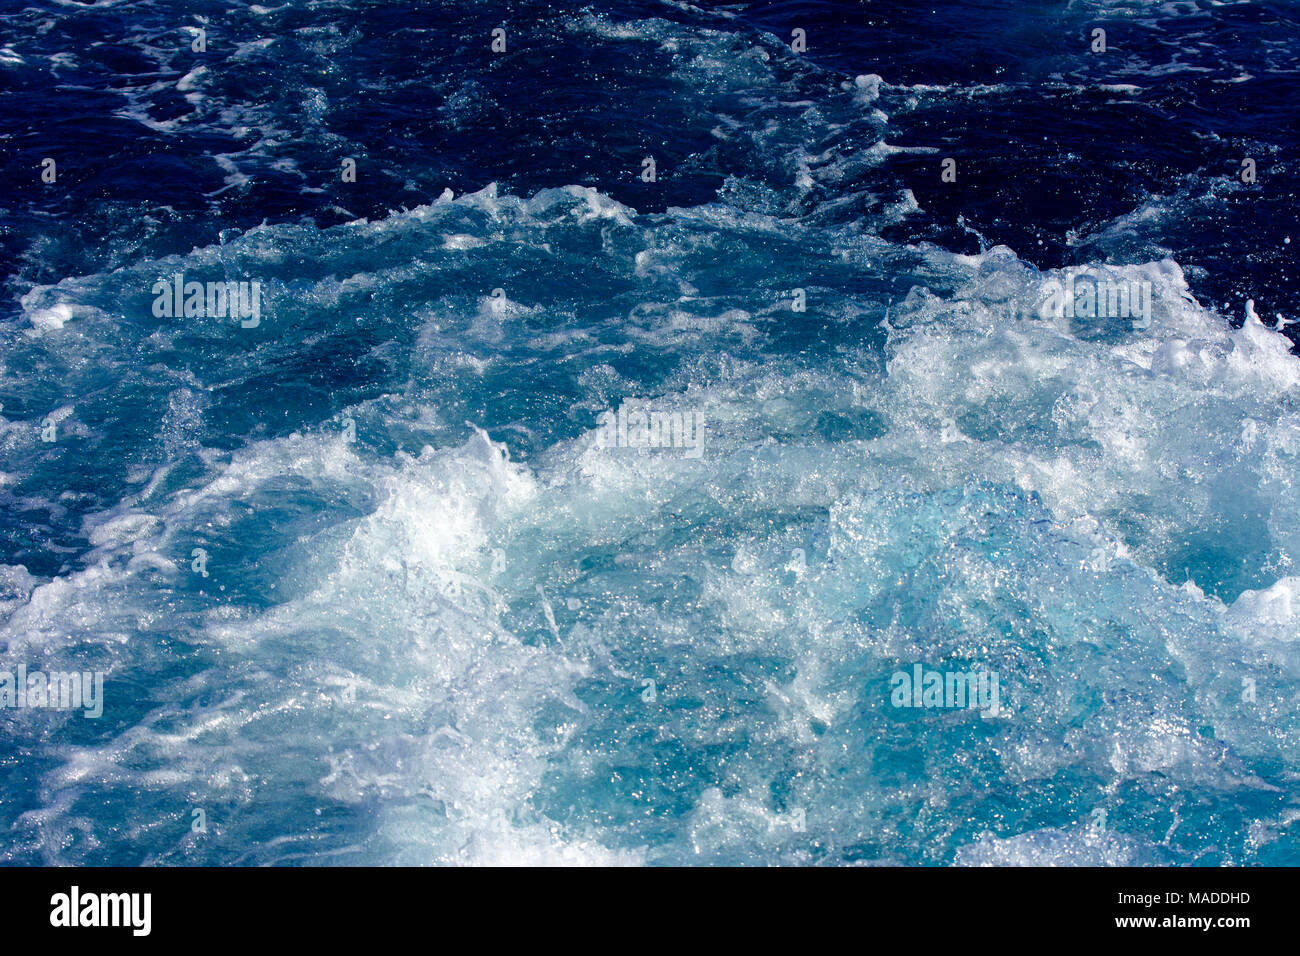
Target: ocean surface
x=386 y=572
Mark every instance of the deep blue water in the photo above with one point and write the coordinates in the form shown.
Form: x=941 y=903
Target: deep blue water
x=436 y=620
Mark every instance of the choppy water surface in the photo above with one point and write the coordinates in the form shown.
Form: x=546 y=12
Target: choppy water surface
x=374 y=580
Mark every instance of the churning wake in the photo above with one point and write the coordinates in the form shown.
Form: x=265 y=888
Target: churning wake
x=525 y=526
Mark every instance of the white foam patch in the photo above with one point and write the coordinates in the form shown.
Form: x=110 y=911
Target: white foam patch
x=1079 y=847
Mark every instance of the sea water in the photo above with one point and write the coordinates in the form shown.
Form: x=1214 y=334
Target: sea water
x=561 y=508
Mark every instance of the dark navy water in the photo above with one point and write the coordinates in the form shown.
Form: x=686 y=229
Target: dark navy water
x=1051 y=153
x=438 y=621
